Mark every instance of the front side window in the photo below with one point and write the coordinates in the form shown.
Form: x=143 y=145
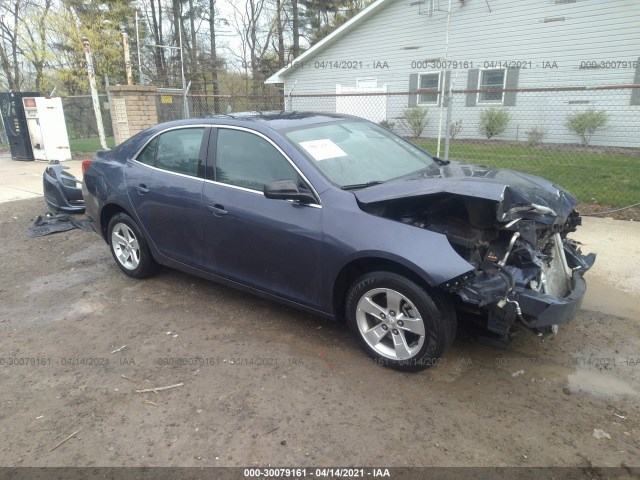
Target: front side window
x=175 y=151
x=431 y=81
x=358 y=152
x=492 y=81
x=249 y=161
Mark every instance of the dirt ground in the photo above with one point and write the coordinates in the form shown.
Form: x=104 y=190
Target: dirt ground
x=267 y=385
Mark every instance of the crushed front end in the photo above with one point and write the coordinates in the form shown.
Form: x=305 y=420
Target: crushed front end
x=510 y=227
x=526 y=268
x=531 y=273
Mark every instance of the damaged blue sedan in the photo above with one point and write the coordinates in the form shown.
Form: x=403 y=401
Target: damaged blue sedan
x=338 y=216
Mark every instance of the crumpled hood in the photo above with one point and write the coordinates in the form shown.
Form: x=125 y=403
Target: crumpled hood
x=518 y=195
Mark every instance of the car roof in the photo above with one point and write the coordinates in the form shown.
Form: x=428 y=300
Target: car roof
x=275 y=120
x=278 y=121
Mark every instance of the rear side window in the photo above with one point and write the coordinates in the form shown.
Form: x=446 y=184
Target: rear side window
x=148 y=155
x=179 y=151
x=175 y=151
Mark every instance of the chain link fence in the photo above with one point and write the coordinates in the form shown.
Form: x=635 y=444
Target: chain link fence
x=585 y=139
x=173 y=105
x=82 y=127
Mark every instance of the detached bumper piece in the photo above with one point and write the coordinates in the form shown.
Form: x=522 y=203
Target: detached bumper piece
x=62 y=191
x=506 y=294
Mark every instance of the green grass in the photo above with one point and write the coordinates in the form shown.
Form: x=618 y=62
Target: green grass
x=592 y=174
x=89 y=145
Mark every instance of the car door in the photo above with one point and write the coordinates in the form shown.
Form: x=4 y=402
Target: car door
x=271 y=245
x=164 y=183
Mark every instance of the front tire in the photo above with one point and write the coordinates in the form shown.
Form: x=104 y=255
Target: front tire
x=129 y=247
x=398 y=323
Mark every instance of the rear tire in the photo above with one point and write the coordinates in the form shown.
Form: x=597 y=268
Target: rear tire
x=398 y=323
x=129 y=247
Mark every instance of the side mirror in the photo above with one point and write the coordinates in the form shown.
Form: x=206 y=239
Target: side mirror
x=287 y=190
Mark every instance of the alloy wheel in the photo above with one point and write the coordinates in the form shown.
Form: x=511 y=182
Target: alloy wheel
x=390 y=323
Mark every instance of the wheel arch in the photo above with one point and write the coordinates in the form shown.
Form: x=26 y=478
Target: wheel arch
x=107 y=212
x=358 y=267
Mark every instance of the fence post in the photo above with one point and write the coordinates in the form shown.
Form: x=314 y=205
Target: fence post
x=449 y=99
x=289 y=98
x=447 y=137
x=185 y=101
x=94 y=92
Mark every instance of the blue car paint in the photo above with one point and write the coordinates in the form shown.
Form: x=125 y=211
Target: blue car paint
x=278 y=249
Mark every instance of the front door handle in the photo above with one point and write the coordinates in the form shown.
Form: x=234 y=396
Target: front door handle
x=217 y=209
x=142 y=189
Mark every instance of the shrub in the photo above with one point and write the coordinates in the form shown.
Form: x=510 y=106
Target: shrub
x=493 y=122
x=454 y=129
x=387 y=124
x=536 y=134
x=415 y=120
x=584 y=124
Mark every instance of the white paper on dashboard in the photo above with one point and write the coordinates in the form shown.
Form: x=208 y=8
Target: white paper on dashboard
x=323 y=149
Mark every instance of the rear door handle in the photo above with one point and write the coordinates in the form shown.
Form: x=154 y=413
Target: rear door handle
x=142 y=189
x=217 y=209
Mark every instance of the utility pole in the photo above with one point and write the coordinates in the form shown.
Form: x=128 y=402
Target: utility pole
x=94 y=92
x=185 y=104
x=127 y=58
x=443 y=76
x=140 y=74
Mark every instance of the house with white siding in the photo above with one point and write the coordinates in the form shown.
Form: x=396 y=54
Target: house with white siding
x=519 y=55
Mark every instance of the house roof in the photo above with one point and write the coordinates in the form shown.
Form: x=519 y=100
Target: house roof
x=376 y=6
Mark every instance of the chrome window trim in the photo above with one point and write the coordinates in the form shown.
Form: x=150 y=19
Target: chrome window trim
x=134 y=158
x=168 y=171
x=256 y=192
x=263 y=136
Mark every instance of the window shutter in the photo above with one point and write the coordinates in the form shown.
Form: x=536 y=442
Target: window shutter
x=511 y=82
x=635 y=92
x=472 y=84
x=447 y=85
x=413 y=86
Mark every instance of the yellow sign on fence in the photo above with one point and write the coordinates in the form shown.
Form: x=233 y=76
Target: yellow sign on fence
x=166 y=99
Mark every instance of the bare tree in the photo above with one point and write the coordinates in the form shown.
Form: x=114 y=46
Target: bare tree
x=279 y=21
x=295 y=27
x=35 y=41
x=255 y=26
x=156 y=31
x=214 y=56
x=193 y=48
x=10 y=18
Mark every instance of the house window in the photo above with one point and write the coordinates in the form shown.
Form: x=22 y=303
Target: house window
x=432 y=81
x=493 y=82
x=367 y=83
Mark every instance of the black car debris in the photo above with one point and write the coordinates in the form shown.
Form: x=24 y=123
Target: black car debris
x=62 y=190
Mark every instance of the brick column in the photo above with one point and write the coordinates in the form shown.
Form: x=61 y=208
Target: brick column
x=133 y=108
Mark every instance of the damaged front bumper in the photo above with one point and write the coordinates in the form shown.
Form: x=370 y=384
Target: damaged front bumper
x=546 y=310
x=506 y=293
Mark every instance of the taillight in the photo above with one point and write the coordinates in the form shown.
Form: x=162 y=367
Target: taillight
x=85 y=165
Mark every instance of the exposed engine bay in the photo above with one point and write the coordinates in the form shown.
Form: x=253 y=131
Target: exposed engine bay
x=526 y=269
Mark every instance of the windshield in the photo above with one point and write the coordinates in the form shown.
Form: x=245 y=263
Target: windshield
x=354 y=153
